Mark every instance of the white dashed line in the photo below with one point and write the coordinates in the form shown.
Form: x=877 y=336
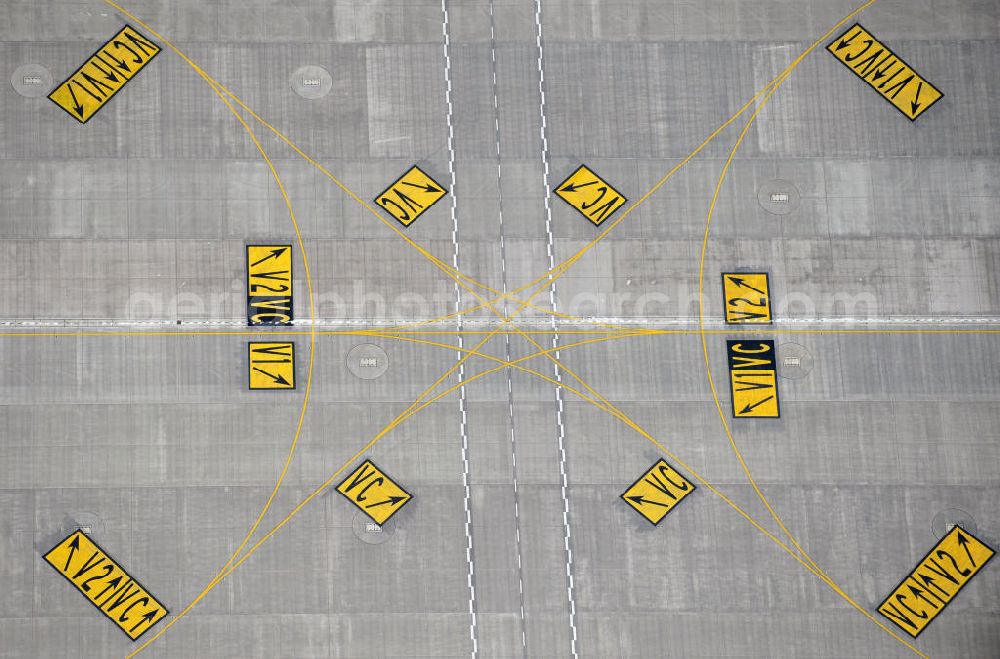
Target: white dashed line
x=507 y=354
x=467 y=499
x=561 y=429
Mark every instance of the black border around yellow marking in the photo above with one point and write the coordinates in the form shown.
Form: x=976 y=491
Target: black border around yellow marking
x=166 y=611
x=271 y=298
x=250 y=349
x=612 y=188
x=901 y=61
x=772 y=357
x=430 y=178
x=90 y=57
x=937 y=545
x=767 y=294
x=354 y=503
x=673 y=507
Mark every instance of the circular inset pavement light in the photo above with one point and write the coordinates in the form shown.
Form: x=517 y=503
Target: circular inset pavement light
x=31 y=80
x=779 y=197
x=794 y=361
x=371 y=533
x=311 y=82
x=367 y=361
x=949 y=517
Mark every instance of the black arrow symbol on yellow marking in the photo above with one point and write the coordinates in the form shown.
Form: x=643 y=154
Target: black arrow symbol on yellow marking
x=913 y=104
x=73 y=546
x=109 y=73
x=639 y=499
x=844 y=43
x=392 y=501
x=278 y=379
x=919 y=593
x=120 y=63
x=750 y=408
x=426 y=187
x=573 y=187
x=111 y=584
x=275 y=253
x=76 y=104
x=739 y=281
x=146 y=618
x=964 y=543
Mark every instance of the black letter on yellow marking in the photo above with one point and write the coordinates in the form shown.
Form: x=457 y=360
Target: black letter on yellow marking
x=88 y=565
x=361 y=495
x=108 y=569
x=124 y=616
x=895 y=614
x=851 y=58
x=362 y=476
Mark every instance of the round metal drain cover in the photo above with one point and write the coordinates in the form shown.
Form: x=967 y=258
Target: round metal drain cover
x=367 y=361
x=311 y=82
x=949 y=517
x=31 y=80
x=779 y=197
x=371 y=533
x=794 y=361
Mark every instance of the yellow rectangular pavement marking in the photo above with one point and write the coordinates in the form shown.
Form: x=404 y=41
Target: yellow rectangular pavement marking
x=373 y=492
x=104 y=74
x=753 y=379
x=271 y=365
x=106 y=584
x=410 y=196
x=747 y=297
x=657 y=492
x=588 y=193
x=269 y=285
x=934 y=583
x=884 y=71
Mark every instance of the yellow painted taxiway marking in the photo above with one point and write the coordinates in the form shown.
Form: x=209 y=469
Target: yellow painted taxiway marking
x=934 y=583
x=104 y=74
x=657 y=492
x=271 y=365
x=747 y=297
x=588 y=193
x=269 y=285
x=106 y=584
x=884 y=71
x=410 y=196
x=753 y=379
x=373 y=492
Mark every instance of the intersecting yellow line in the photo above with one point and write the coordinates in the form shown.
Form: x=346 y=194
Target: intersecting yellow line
x=455 y=274
x=552 y=275
x=415 y=407
x=637 y=331
x=312 y=340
